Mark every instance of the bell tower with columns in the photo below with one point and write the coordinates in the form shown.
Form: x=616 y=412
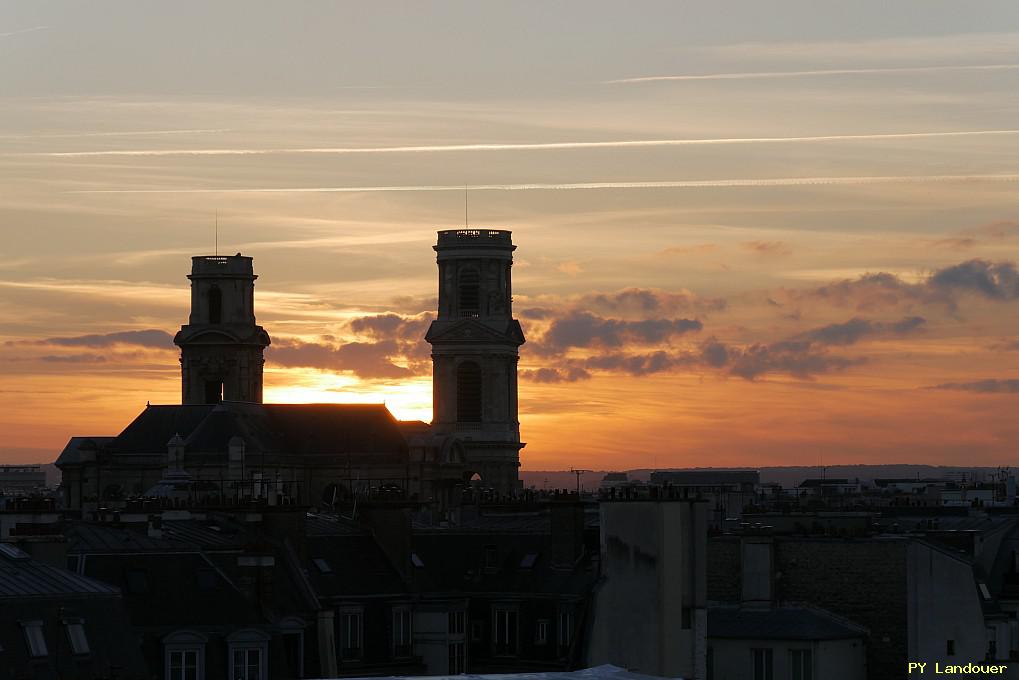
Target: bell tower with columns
x=475 y=348
x=221 y=346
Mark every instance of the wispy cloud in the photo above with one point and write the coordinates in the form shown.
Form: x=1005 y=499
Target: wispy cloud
x=22 y=31
x=574 y=186
x=527 y=146
x=122 y=133
x=763 y=75
x=988 y=386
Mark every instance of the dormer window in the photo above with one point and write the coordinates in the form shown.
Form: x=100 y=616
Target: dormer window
x=34 y=638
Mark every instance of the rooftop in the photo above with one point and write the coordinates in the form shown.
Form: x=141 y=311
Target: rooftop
x=218 y=265
x=21 y=576
x=779 y=623
x=475 y=237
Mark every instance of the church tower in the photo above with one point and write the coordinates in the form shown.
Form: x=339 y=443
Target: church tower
x=475 y=348
x=221 y=345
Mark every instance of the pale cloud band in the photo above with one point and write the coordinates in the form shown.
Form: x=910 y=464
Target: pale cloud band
x=761 y=75
x=670 y=184
x=536 y=146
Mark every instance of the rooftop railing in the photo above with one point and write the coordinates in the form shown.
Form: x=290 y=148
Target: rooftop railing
x=475 y=237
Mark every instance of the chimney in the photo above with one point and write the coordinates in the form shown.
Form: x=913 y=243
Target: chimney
x=235 y=461
x=155 y=527
x=566 y=513
x=175 y=453
x=650 y=608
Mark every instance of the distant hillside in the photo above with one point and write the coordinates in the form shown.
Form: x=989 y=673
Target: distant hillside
x=786 y=476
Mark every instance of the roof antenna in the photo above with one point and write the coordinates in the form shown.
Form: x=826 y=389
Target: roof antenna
x=217 y=232
x=465 y=205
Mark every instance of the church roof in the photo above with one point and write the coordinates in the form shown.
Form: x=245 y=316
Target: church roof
x=157 y=425
x=290 y=429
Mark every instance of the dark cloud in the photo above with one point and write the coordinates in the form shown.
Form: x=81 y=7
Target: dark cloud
x=768 y=248
x=870 y=291
x=555 y=375
x=798 y=359
x=649 y=301
x=993 y=280
x=392 y=326
x=583 y=329
x=856 y=329
x=365 y=359
x=147 y=338
x=715 y=353
x=637 y=364
x=988 y=386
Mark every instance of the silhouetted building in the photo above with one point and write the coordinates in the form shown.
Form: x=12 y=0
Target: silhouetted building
x=21 y=479
x=221 y=441
x=57 y=624
x=221 y=346
x=475 y=349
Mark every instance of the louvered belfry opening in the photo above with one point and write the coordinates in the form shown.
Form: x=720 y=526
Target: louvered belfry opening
x=215 y=304
x=470 y=293
x=468 y=393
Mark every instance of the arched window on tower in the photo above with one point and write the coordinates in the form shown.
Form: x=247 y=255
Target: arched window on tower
x=215 y=304
x=470 y=293
x=468 y=393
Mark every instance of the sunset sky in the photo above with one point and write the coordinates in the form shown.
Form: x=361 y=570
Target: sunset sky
x=749 y=233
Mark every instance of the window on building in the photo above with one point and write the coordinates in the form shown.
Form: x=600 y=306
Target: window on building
x=541 y=632
x=763 y=660
x=183 y=664
x=137 y=581
x=350 y=634
x=457 y=622
x=468 y=393
x=565 y=629
x=457 y=658
x=402 y=632
x=470 y=293
x=34 y=638
x=293 y=650
x=76 y=636
x=950 y=647
x=801 y=664
x=213 y=391
x=215 y=304
x=477 y=631
x=246 y=663
x=491 y=558
x=505 y=641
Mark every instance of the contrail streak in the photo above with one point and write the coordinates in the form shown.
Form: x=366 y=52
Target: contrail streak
x=671 y=184
x=129 y=133
x=536 y=146
x=754 y=75
x=24 y=30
